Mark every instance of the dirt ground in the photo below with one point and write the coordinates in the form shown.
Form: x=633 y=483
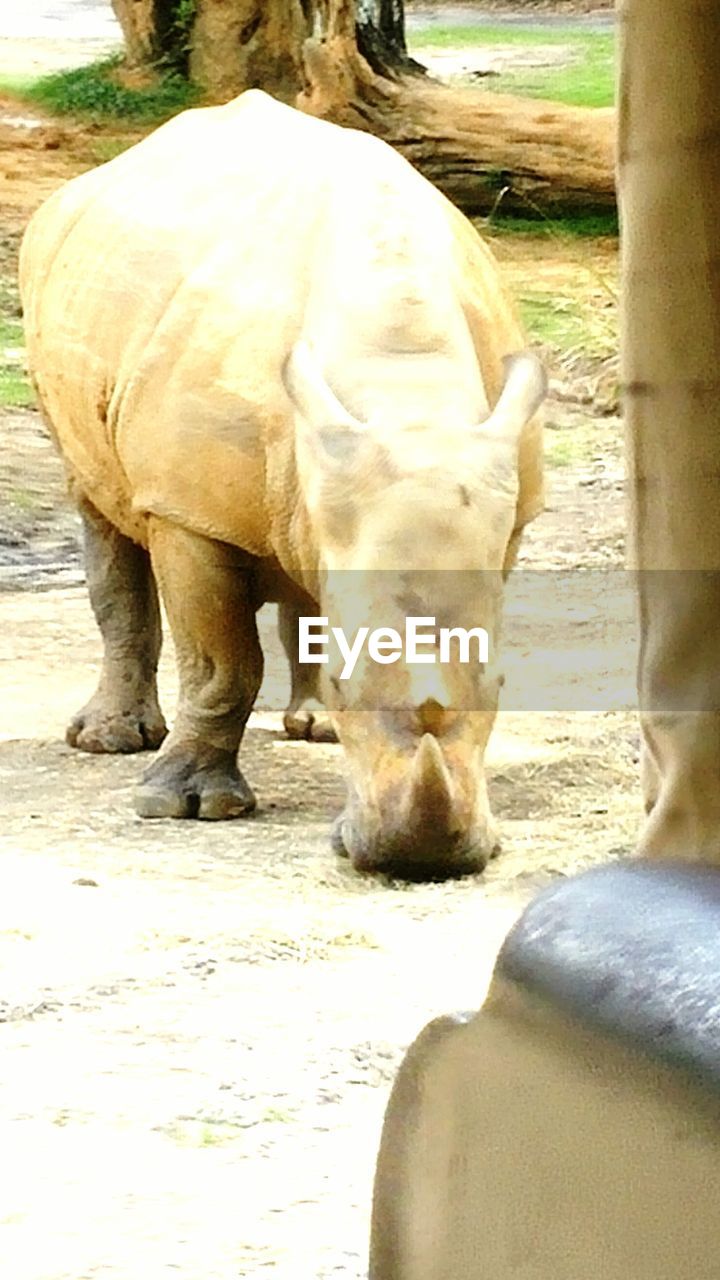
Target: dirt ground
x=200 y=1023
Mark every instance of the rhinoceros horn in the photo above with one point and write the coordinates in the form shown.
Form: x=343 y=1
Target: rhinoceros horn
x=429 y=794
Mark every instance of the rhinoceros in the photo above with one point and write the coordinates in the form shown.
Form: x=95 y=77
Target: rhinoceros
x=275 y=359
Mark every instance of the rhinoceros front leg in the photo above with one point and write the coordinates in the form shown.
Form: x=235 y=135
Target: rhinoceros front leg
x=209 y=603
x=305 y=716
x=123 y=714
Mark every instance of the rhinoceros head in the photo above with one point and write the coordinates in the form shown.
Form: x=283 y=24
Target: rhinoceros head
x=412 y=524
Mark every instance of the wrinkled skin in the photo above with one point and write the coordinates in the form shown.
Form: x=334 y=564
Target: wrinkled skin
x=271 y=355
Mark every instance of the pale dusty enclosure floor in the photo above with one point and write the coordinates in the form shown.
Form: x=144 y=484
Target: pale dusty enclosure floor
x=199 y=1024
x=202 y=1022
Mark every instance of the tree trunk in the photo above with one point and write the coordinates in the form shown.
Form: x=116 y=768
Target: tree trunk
x=141 y=24
x=222 y=46
x=380 y=35
x=249 y=44
x=347 y=61
x=669 y=144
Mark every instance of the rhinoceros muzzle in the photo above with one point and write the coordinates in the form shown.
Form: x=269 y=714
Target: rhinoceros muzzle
x=421 y=831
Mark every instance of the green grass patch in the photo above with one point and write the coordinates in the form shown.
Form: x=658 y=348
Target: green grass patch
x=553 y=321
x=586 y=77
x=187 y=1131
x=487 y=33
x=572 y=447
x=108 y=148
x=95 y=92
x=561 y=450
x=582 y=225
x=17 y=84
x=587 y=81
x=15 y=389
x=576 y=446
x=21 y=499
x=569 y=324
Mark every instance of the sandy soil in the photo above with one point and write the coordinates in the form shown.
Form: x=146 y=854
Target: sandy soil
x=200 y=1023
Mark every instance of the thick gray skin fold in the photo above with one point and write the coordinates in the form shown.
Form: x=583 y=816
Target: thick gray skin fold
x=124 y=713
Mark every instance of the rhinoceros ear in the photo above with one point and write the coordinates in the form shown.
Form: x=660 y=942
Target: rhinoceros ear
x=339 y=444
x=310 y=393
x=523 y=392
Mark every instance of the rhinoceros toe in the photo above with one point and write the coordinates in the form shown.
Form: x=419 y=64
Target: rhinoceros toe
x=180 y=784
x=309 y=721
x=118 y=734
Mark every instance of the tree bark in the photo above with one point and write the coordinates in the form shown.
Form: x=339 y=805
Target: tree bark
x=141 y=25
x=249 y=44
x=380 y=35
x=669 y=166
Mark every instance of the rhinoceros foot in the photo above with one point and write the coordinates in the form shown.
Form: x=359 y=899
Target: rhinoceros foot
x=100 y=730
x=187 y=782
x=309 y=720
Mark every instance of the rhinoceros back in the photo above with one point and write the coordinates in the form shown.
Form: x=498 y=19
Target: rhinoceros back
x=163 y=291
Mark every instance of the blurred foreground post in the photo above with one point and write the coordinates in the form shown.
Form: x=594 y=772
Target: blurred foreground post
x=570 y=1130
x=669 y=170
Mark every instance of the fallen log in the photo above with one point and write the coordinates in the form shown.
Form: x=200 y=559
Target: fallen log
x=477 y=147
